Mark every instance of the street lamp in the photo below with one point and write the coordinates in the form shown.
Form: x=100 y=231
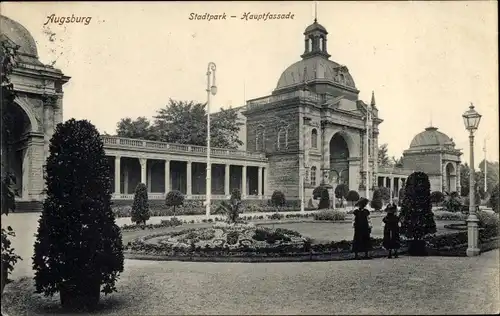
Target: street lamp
x=211 y=90
x=471 y=121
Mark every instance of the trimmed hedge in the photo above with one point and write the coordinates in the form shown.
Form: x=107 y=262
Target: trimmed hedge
x=329 y=215
x=123 y=208
x=449 y=216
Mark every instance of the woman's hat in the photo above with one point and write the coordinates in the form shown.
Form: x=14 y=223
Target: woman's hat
x=362 y=202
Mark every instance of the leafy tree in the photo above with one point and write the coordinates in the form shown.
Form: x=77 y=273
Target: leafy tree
x=186 y=123
x=383 y=157
x=174 y=198
x=376 y=202
x=232 y=208
x=437 y=197
x=78 y=247
x=492 y=175
x=139 y=128
x=352 y=196
x=324 y=201
x=8 y=55
x=493 y=201
x=417 y=219
x=341 y=192
x=140 y=207
x=278 y=199
x=398 y=162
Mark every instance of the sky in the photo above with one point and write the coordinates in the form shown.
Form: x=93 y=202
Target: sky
x=425 y=61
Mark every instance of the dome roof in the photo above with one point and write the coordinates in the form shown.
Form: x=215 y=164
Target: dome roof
x=315 y=27
x=19 y=35
x=317 y=67
x=430 y=137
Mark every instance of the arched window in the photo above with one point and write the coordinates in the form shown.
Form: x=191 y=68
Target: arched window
x=282 y=138
x=313 y=175
x=314 y=138
x=321 y=44
x=310 y=45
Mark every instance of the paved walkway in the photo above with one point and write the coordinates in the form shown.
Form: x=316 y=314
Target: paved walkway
x=408 y=285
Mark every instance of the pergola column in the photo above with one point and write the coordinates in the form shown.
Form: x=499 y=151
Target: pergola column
x=244 y=181
x=149 y=177
x=259 y=185
x=189 y=179
x=226 y=179
x=143 y=162
x=167 y=176
x=265 y=181
x=117 y=176
x=392 y=185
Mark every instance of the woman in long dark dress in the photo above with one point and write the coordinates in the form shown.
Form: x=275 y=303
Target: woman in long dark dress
x=362 y=229
x=391 y=240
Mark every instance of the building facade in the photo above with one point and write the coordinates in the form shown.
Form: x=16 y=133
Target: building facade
x=311 y=130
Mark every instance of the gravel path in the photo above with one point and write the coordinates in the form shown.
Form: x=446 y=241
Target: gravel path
x=429 y=285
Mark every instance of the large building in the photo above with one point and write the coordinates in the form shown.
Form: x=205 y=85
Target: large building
x=311 y=130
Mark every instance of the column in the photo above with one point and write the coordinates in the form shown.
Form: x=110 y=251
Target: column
x=125 y=179
x=26 y=171
x=226 y=180
x=117 y=176
x=167 y=176
x=189 y=179
x=260 y=183
x=392 y=186
x=149 y=176
x=244 y=181
x=459 y=188
x=265 y=181
x=143 y=162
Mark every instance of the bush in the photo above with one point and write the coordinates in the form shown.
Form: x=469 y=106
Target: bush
x=385 y=194
x=352 y=196
x=329 y=215
x=452 y=202
x=232 y=208
x=401 y=195
x=278 y=199
x=376 y=202
x=417 y=219
x=140 y=207
x=437 y=197
x=276 y=216
x=78 y=246
x=449 y=216
x=174 y=199
x=487 y=220
x=341 y=191
x=324 y=201
x=493 y=200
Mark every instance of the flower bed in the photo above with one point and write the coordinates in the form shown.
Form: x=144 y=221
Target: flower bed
x=329 y=215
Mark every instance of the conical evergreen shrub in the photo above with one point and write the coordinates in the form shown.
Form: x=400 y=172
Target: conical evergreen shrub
x=140 y=207
x=78 y=247
x=417 y=218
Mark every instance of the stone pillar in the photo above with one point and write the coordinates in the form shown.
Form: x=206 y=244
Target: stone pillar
x=260 y=183
x=459 y=188
x=244 y=182
x=392 y=186
x=117 y=176
x=167 y=176
x=48 y=128
x=189 y=179
x=143 y=162
x=264 y=184
x=26 y=171
x=125 y=179
x=34 y=165
x=58 y=110
x=148 y=168
x=227 y=180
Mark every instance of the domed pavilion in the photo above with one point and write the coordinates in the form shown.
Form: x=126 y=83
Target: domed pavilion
x=36 y=110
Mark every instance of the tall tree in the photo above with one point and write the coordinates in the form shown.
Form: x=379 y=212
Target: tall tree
x=140 y=128
x=8 y=54
x=383 y=157
x=492 y=173
x=184 y=122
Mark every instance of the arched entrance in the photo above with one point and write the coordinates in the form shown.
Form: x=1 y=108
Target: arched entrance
x=16 y=129
x=451 y=178
x=339 y=158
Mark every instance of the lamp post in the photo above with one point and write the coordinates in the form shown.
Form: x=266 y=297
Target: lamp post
x=471 y=121
x=211 y=90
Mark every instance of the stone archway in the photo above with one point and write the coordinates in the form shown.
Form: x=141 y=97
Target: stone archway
x=339 y=157
x=450 y=177
x=16 y=145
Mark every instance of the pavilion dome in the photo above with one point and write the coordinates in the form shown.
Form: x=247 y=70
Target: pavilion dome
x=19 y=35
x=315 y=68
x=430 y=137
